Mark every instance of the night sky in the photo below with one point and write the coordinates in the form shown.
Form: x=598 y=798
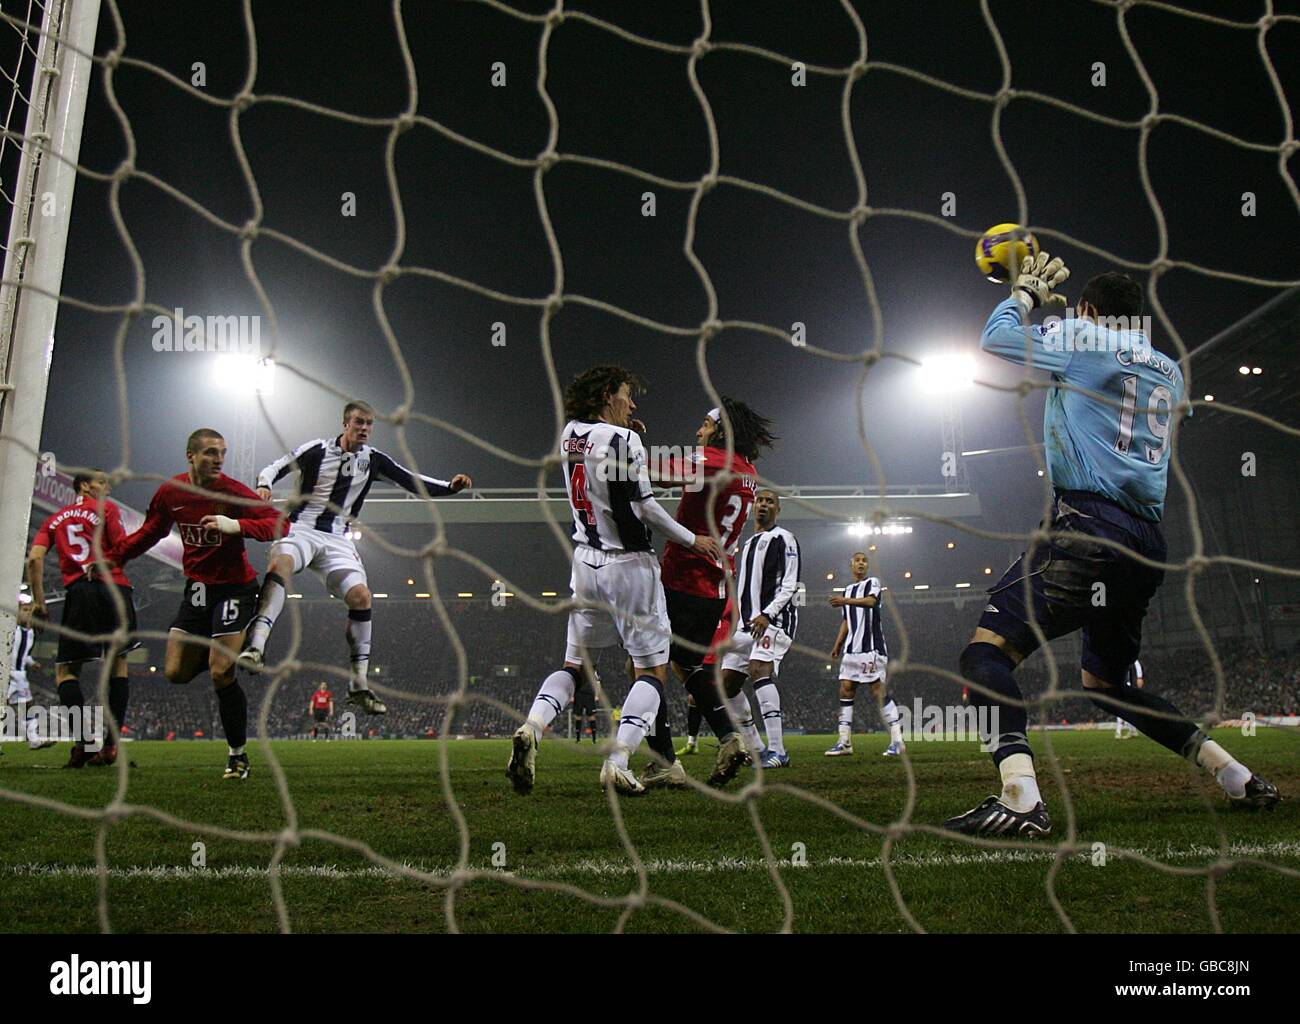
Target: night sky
x=475 y=217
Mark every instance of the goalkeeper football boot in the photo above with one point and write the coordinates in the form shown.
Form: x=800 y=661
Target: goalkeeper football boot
x=621 y=779
x=994 y=818
x=771 y=759
x=521 y=769
x=1260 y=795
x=841 y=749
x=250 y=659
x=237 y=767
x=366 y=700
x=731 y=756
x=78 y=757
x=671 y=776
x=895 y=749
x=41 y=745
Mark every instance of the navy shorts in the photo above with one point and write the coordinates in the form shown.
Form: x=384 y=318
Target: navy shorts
x=216 y=609
x=1078 y=583
x=88 y=608
x=692 y=618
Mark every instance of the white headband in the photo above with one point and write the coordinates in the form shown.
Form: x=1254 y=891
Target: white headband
x=715 y=415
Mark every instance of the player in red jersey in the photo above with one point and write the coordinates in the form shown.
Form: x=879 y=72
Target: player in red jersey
x=717 y=496
x=321 y=706
x=220 y=584
x=82 y=533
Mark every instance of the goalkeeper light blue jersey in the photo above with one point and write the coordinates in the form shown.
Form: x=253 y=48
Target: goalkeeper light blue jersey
x=1119 y=447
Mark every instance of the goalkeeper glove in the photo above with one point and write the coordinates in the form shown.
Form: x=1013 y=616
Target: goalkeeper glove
x=1039 y=278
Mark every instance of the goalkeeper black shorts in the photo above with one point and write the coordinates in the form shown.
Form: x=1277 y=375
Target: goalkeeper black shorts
x=1077 y=583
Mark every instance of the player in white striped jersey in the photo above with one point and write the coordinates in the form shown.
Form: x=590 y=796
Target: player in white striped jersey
x=615 y=576
x=19 y=694
x=767 y=619
x=861 y=639
x=334 y=477
x=1134 y=677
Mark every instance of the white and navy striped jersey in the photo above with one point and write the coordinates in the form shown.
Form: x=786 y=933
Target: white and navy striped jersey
x=327 y=475
x=24 y=641
x=604 y=474
x=769 y=578
x=866 y=625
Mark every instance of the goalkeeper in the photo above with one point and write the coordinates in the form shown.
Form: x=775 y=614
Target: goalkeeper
x=1107 y=426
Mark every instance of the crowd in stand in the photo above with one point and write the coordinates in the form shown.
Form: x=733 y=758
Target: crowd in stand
x=510 y=649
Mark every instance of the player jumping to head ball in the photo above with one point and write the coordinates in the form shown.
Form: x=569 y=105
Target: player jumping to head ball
x=334 y=477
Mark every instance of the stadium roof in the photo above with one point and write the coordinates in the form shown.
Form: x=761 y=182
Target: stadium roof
x=830 y=505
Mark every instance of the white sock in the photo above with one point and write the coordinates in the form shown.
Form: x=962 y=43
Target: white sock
x=639 y=712
x=846 y=721
x=1119 y=727
x=769 y=705
x=1019 y=783
x=555 y=695
x=358 y=634
x=269 y=605
x=33 y=733
x=889 y=712
x=1228 y=772
x=739 y=706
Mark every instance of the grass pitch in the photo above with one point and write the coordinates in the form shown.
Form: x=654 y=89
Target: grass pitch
x=1128 y=795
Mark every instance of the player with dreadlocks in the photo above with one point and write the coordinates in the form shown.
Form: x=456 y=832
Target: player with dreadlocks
x=717 y=489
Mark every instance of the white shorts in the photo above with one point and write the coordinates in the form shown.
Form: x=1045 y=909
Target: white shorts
x=331 y=556
x=744 y=649
x=20 y=691
x=868 y=667
x=629 y=583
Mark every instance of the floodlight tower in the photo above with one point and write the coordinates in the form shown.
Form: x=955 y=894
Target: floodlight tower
x=244 y=377
x=954 y=441
x=946 y=376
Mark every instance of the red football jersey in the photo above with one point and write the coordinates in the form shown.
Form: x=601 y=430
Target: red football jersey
x=320 y=700
x=71 y=531
x=688 y=571
x=210 y=556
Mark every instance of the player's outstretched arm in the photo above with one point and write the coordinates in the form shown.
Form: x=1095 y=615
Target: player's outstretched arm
x=262 y=521
x=282 y=467
x=406 y=480
x=1008 y=333
x=157 y=524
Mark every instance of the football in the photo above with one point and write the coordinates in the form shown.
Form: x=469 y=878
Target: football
x=1003 y=247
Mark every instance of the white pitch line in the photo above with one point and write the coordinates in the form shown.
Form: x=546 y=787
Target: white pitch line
x=606 y=867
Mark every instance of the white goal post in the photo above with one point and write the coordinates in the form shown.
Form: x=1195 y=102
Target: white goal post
x=55 y=104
